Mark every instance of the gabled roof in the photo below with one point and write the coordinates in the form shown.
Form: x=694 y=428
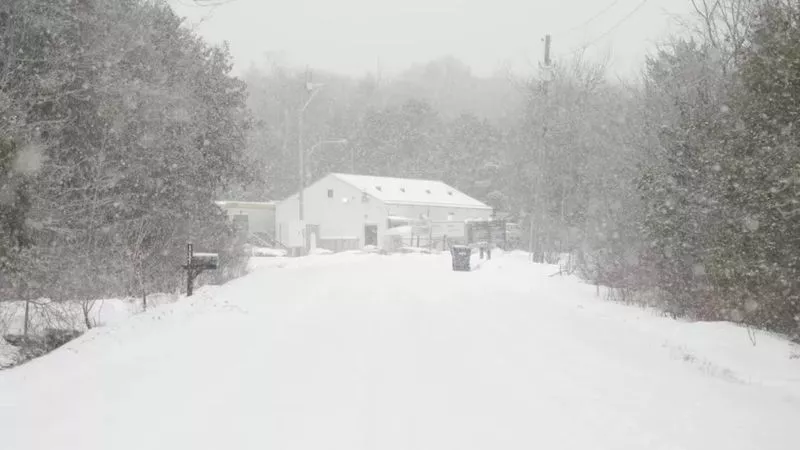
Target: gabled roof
x=406 y=191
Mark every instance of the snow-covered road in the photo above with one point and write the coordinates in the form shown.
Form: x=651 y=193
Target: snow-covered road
x=398 y=352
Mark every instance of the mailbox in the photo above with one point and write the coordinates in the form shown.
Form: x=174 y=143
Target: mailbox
x=205 y=261
x=197 y=263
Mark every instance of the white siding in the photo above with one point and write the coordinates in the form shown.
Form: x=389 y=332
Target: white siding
x=336 y=218
x=285 y=218
x=438 y=213
x=345 y=214
x=259 y=220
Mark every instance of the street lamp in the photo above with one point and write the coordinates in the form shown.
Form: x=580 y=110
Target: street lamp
x=329 y=141
x=312 y=89
x=319 y=144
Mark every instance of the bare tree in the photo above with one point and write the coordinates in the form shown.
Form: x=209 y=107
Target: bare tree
x=724 y=25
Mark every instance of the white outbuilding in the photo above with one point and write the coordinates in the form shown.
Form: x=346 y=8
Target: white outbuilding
x=343 y=212
x=255 y=219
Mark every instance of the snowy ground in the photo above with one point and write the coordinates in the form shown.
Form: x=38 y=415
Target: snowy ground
x=68 y=315
x=360 y=351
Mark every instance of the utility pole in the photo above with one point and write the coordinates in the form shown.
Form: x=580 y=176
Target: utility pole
x=189 y=269
x=300 y=150
x=300 y=166
x=378 y=73
x=540 y=200
x=286 y=127
x=312 y=90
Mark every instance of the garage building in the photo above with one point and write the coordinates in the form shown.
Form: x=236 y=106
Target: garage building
x=344 y=212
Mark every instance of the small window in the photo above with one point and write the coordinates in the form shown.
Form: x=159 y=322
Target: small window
x=402 y=189
x=449 y=192
x=330 y=193
x=364 y=198
x=379 y=188
x=428 y=191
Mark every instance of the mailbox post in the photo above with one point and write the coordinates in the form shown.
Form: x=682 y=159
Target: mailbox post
x=196 y=263
x=188 y=267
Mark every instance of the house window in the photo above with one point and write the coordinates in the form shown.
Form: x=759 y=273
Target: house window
x=379 y=188
x=364 y=198
x=402 y=189
x=428 y=191
x=330 y=193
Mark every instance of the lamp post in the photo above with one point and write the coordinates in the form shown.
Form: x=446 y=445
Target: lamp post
x=327 y=141
x=319 y=144
x=312 y=89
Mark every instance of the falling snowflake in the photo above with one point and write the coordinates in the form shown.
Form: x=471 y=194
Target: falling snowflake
x=751 y=224
x=29 y=159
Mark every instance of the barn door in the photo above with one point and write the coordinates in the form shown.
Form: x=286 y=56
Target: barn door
x=312 y=237
x=371 y=235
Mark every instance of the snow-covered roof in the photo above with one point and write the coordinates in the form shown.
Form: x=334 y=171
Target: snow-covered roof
x=235 y=204
x=400 y=219
x=406 y=191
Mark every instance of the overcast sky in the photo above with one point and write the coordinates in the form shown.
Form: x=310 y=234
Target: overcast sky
x=352 y=36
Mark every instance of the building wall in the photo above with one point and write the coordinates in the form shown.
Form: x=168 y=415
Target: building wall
x=286 y=222
x=438 y=213
x=259 y=219
x=341 y=217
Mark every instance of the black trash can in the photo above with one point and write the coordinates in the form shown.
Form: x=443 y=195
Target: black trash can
x=461 y=254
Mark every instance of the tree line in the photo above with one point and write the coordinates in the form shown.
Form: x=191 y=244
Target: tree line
x=681 y=190
x=678 y=189
x=118 y=129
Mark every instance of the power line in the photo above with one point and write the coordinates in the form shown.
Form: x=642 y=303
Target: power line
x=624 y=19
x=612 y=29
x=589 y=20
x=211 y=3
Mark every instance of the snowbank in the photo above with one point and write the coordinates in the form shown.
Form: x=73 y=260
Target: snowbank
x=320 y=251
x=720 y=349
x=409 y=249
x=45 y=313
x=268 y=252
x=8 y=354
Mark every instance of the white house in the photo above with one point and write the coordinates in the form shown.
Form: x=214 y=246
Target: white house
x=253 y=218
x=352 y=211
